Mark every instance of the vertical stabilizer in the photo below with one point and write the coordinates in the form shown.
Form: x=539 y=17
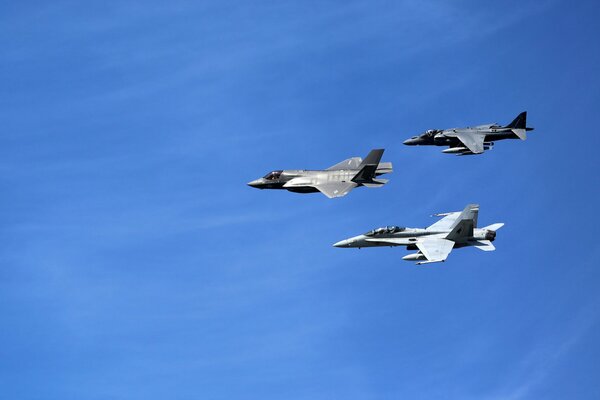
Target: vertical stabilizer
x=465 y=224
x=520 y=122
x=372 y=158
x=470 y=212
x=368 y=167
x=519 y=126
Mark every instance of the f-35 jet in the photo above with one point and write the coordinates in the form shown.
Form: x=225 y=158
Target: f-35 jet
x=472 y=140
x=434 y=244
x=335 y=181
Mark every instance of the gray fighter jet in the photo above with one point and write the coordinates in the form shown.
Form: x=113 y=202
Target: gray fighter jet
x=335 y=181
x=472 y=140
x=454 y=230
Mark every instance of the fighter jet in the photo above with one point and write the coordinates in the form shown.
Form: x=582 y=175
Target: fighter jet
x=454 y=230
x=335 y=181
x=472 y=140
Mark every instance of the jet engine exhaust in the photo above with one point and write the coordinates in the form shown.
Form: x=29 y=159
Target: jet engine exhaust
x=490 y=235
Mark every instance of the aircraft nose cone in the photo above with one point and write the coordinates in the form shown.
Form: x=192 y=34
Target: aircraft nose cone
x=342 y=243
x=255 y=183
x=409 y=142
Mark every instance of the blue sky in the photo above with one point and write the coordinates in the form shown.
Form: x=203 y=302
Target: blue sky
x=136 y=263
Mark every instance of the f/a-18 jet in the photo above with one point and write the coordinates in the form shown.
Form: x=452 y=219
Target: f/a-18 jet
x=472 y=140
x=335 y=181
x=434 y=244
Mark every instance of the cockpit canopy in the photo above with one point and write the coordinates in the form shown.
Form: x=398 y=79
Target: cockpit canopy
x=273 y=176
x=431 y=132
x=385 y=230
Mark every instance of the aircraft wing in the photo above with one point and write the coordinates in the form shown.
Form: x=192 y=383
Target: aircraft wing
x=472 y=140
x=454 y=221
x=351 y=163
x=446 y=223
x=435 y=249
x=335 y=189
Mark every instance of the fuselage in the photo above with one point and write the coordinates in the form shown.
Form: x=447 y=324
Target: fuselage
x=407 y=237
x=335 y=181
x=435 y=137
x=303 y=180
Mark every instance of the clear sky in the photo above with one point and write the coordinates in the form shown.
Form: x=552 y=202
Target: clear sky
x=136 y=264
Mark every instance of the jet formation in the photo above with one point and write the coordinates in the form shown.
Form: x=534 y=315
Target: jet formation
x=434 y=243
x=335 y=181
x=472 y=140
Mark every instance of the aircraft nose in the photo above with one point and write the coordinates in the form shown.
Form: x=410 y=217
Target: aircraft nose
x=355 y=241
x=410 y=142
x=255 y=183
x=343 y=243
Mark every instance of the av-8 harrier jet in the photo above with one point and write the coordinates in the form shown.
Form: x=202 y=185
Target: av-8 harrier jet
x=335 y=181
x=456 y=229
x=472 y=140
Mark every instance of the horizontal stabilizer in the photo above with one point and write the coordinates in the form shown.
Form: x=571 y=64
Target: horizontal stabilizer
x=494 y=227
x=521 y=133
x=384 y=168
x=484 y=245
x=376 y=183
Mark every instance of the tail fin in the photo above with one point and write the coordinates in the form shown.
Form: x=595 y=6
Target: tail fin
x=520 y=122
x=368 y=167
x=470 y=212
x=519 y=125
x=372 y=158
x=465 y=223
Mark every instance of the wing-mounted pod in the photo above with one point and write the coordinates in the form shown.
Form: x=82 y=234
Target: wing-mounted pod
x=415 y=257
